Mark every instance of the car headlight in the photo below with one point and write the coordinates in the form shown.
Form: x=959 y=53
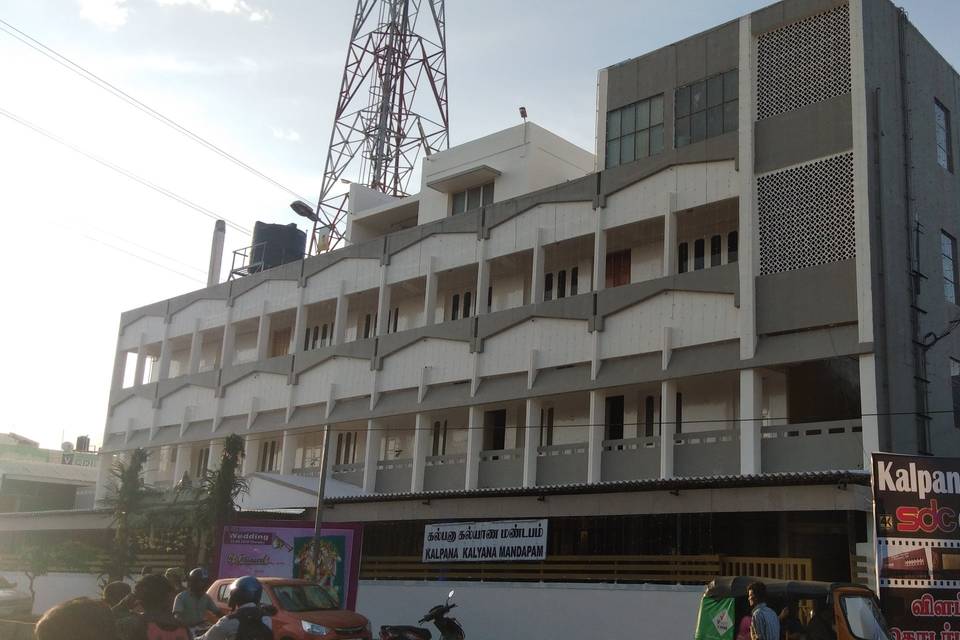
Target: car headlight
x=316 y=629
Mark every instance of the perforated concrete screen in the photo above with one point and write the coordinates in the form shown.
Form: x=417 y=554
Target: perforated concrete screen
x=806 y=215
x=803 y=63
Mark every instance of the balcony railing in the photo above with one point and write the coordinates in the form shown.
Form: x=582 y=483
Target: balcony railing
x=562 y=463
x=814 y=446
x=631 y=459
x=393 y=476
x=352 y=473
x=707 y=453
x=445 y=473
x=501 y=468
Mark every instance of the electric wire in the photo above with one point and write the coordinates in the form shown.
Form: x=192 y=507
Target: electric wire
x=125 y=240
x=143 y=258
x=88 y=75
x=129 y=174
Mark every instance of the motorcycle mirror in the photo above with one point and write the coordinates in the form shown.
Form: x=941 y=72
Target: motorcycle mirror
x=450 y=595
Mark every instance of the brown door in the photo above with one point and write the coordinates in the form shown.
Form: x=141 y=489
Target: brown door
x=618 y=268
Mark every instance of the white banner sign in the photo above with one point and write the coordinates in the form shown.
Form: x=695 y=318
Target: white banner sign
x=499 y=541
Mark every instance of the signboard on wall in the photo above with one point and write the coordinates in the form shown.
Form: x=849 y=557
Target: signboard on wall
x=496 y=541
x=284 y=549
x=916 y=507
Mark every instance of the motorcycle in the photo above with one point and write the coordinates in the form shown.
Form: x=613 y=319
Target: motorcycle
x=449 y=628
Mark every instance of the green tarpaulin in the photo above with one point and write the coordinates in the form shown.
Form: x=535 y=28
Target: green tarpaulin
x=716 y=619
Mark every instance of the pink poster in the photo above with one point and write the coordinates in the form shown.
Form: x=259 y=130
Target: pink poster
x=284 y=549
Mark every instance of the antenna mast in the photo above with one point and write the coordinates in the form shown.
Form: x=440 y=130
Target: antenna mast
x=382 y=124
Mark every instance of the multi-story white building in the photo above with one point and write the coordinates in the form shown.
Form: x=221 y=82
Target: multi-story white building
x=714 y=318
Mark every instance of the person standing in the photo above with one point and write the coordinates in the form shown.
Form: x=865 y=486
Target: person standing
x=191 y=605
x=764 y=623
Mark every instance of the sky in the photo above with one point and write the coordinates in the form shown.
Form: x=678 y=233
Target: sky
x=258 y=78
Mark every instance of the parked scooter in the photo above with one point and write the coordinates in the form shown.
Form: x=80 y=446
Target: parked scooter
x=449 y=628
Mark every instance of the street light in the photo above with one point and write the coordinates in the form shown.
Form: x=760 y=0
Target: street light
x=301 y=208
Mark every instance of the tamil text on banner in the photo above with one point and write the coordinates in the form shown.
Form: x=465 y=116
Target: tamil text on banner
x=916 y=502
x=497 y=541
x=284 y=549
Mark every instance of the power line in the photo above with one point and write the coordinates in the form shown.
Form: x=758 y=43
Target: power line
x=135 y=244
x=88 y=75
x=124 y=172
x=143 y=258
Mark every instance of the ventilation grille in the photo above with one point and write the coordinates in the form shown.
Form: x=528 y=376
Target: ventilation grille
x=803 y=63
x=806 y=215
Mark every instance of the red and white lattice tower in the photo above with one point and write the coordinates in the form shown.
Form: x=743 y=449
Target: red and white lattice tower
x=391 y=108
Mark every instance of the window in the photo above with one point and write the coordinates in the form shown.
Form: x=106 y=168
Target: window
x=732 y=245
x=682 y=257
x=715 y=244
x=948 y=258
x=393 y=317
x=203 y=462
x=455 y=307
x=269 y=450
x=574 y=272
x=346 y=448
x=618 y=268
x=679 y=413
x=466 y=304
x=706 y=109
x=548 y=286
x=366 y=326
x=546 y=427
x=955 y=385
x=614 y=417
x=472 y=198
x=561 y=284
x=280 y=344
x=635 y=131
x=944 y=143
x=495 y=423
x=648 y=416
x=490 y=298
x=439 y=438
x=698 y=246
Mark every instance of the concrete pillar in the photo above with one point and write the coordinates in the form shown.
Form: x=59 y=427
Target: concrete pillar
x=216 y=453
x=251 y=448
x=536 y=276
x=371 y=457
x=340 y=315
x=288 y=452
x=869 y=421
x=599 y=255
x=668 y=426
x=596 y=430
x=421 y=446
x=104 y=477
x=300 y=323
x=164 y=369
x=229 y=333
x=748 y=262
x=670 y=265
x=263 y=334
x=141 y=361
x=751 y=421
x=474 y=446
x=184 y=456
x=196 y=348
x=119 y=369
x=531 y=441
x=383 y=304
x=483 y=279
x=430 y=294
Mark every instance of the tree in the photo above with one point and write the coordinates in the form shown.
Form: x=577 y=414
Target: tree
x=219 y=491
x=127 y=498
x=39 y=560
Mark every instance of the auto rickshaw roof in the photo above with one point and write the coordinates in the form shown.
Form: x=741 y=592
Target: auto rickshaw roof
x=735 y=587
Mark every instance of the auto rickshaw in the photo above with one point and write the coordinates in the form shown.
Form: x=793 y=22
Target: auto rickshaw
x=820 y=610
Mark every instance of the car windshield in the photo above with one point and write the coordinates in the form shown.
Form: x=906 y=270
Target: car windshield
x=864 y=618
x=303 y=597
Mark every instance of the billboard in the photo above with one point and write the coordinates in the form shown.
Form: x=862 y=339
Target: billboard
x=916 y=503
x=284 y=549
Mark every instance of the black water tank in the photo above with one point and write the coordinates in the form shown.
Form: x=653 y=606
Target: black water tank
x=276 y=244
x=83 y=443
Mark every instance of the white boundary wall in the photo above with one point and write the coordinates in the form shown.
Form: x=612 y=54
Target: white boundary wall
x=54 y=588
x=535 y=611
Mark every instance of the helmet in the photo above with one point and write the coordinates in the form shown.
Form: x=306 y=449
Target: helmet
x=245 y=590
x=198 y=577
x=175 y=576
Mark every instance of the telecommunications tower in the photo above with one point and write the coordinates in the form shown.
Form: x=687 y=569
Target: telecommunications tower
x=382 y=122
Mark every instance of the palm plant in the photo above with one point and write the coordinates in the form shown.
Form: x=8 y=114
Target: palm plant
x=217 y=497
x=126 y=498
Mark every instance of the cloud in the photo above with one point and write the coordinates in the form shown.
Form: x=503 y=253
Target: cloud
x=285 y=134
x=106 y=14
x=235 y=7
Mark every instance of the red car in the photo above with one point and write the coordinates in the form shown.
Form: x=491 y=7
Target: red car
x=304 y=610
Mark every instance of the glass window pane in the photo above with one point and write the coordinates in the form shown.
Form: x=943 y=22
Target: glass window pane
x=954 y=368
x=715 y=91
x=613 y=125
x=682 y=258
x=715 y=250
x=656 y=139
x=732 y=246
x=613 y=153
x=942 y=157
x=698 y=126
x=946 y=244
x=643 y=143
x=682 y=107
x=698 y=97
x=460 y=202
x=656 y=109
x=941 y=137
x=731 y=116
x=473 y=198
x=627 y=149
x=488 y=193
x=714 y=121
x=947 y=266
x=698 y=247
x=730 y=86
x=683 y=132
x=950 y=292
x=628 y=119
x=940 y=115
x=643 y=115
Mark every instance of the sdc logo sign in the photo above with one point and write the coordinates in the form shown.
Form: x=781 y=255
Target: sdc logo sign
x=929 y=519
